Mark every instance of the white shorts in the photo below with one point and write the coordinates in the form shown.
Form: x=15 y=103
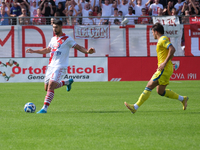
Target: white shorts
x=55 y=74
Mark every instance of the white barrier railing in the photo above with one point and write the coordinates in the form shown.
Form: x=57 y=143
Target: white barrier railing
x=69 y=20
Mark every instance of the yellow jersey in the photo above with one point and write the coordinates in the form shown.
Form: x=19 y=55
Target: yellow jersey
x=162 y=51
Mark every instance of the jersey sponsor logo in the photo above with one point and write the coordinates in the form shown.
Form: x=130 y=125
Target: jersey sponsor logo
x=59 y=42
x=57 y=53
x=56 y=46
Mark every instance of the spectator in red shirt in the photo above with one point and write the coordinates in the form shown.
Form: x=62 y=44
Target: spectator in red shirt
x=39 y=18
x=96 y=10
x=143 y=19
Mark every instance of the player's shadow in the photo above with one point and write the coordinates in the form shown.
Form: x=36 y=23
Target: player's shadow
x=172 y=111
x=102 y=112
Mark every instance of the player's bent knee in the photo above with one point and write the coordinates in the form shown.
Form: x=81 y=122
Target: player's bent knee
x=161 y=93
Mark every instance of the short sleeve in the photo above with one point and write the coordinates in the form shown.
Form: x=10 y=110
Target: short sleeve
x=161 y=6
x=166 y=43
x=71 y=42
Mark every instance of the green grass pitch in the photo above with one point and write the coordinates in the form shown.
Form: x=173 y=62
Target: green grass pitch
x=92 y=116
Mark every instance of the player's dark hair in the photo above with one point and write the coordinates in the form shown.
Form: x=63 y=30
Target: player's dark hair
x=57 y=22
x=158 y=27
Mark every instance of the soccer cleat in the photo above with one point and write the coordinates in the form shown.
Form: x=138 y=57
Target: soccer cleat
x=42 y=111
x=184 y=102
x=130 y=107
x=70 y=84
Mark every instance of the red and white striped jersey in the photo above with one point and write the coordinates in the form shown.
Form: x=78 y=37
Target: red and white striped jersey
x=60 y=46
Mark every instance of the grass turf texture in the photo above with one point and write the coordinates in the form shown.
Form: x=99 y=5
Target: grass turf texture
x=92 y=116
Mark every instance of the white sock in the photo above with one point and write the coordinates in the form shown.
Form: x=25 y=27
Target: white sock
x=67 y=82
x=45 y=107
x=180 y=98
x=136 y=106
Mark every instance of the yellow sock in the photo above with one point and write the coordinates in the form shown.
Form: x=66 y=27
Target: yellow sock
x=144 y=96
x=170 y=94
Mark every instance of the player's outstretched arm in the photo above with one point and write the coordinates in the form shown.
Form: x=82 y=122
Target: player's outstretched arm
x=84 y=50
x=40 y=51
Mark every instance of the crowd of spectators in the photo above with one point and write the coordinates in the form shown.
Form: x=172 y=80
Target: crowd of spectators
x=93 y=12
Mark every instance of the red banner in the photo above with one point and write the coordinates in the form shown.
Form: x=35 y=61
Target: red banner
x=195 y=20
x=142 y=68
x=192 y=46
x=195 y=26
x=195 y=30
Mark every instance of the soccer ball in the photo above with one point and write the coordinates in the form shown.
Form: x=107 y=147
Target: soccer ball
x=29 y=107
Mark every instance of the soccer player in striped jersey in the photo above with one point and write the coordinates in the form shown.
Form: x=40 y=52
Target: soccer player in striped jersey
x=58 y=48
x=160 y=79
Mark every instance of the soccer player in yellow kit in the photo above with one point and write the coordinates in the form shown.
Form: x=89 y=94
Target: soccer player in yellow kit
x=160 y=79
